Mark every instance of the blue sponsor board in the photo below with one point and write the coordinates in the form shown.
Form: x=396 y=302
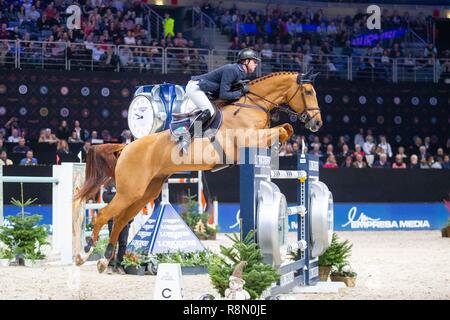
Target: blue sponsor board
x=347 y=216
x=362 y=217
x=372 y=38
x=44 y=210
x=399 y=216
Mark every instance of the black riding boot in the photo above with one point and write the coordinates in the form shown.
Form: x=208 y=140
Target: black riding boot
x=204 y=117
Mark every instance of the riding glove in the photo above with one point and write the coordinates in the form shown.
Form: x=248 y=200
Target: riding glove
x=245 y=89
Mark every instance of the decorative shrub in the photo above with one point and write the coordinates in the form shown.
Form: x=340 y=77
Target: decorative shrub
x=198 y=223
x=337 y=253
x=25 y=235
x=188 y=259
x=258 y=276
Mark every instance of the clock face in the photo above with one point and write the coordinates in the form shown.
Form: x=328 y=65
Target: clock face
x=140 y=116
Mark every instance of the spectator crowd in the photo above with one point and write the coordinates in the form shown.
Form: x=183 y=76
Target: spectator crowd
x=64 y=144
x=287 y=40
x=302 y=38
x=366 y=151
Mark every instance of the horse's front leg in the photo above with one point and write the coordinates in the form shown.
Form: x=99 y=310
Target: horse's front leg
x=275 y=135
x=285 y=131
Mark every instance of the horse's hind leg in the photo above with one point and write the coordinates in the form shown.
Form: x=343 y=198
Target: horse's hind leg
x=121 y=220
x=117 y=205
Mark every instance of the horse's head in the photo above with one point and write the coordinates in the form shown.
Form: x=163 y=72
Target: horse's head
x=303 y=100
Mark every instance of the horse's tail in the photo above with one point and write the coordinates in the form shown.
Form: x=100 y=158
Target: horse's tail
x=100 y=165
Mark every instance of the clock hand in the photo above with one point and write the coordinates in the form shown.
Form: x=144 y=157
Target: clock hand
x=138 y=116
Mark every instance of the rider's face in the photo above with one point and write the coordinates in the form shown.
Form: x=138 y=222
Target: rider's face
x=251 y=66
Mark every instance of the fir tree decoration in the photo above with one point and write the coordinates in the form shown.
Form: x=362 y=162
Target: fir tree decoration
x=200 y=227
x=192 y=218
x=25 y=235
x=258 y=276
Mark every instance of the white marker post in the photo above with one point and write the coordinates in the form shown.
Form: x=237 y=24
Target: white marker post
x=169 y=282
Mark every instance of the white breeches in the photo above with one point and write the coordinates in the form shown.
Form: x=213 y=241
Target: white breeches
x=198 y=97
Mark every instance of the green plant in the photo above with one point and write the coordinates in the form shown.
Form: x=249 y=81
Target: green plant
x=25 y=235
x=37 y=255
x=337 y=253
x=131 y=259
x=191 y=216
x=6 y=253
x=188 y=259
x=101 y=245
x=258 y=276
x=343 y=270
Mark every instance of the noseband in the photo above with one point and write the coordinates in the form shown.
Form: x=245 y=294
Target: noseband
x=304 y=117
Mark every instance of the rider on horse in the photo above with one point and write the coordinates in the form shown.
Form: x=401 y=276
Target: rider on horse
x=219 y=82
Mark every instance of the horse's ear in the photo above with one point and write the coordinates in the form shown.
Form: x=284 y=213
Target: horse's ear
x=313 y=77
x=307 y=77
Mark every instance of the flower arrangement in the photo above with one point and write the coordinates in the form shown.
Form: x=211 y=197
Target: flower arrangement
x=188 y=259
x=344 y=273
x=343 y=270
x=131 y=259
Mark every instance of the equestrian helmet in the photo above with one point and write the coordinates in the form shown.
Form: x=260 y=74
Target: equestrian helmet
x=248 y=53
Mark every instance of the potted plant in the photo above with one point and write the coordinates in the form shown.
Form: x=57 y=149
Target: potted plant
x=99 y=249
x=257 y=275
x=192 y=263
x=25 y=236
x=34 y=259
x=6 y=256
x=134 y=263
x=344 y=273
x=336 y=254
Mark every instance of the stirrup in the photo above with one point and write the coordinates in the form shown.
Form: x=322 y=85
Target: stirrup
x=204 y=117
x=183 y=145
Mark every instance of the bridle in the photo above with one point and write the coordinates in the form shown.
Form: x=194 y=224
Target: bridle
x=304 y=117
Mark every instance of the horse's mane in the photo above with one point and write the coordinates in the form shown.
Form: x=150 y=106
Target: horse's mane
x=274 y=74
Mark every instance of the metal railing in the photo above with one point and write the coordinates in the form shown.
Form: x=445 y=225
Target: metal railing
x=141 y=58
x=94 y=56
x=204 y=26
x=373 y=68
x=155 y=24
x=8 y=54
x=42 y=54
x=416 y=70
x=187 y=61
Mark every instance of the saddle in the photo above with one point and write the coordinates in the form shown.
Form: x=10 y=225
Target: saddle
x=183 y=121
x=181 y=124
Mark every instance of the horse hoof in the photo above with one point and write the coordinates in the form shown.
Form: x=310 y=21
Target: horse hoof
x=79 y=260
x=102 y=264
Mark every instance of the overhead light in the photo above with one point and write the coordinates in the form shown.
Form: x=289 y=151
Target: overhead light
x=159 y=2
x=448 y=14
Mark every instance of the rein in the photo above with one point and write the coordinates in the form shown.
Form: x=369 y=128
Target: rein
x=303 y=116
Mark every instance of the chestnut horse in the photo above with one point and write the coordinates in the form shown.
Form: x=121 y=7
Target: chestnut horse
x=140 y=168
